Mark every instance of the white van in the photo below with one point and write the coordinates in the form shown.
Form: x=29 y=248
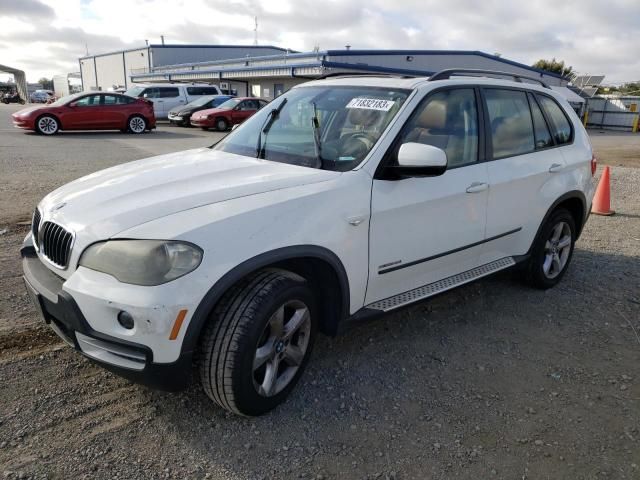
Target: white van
x=167 y=96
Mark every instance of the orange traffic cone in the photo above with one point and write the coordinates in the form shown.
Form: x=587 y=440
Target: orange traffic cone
x=602 y=199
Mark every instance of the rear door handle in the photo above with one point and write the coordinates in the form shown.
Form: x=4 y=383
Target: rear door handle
x=477 y=187
x=556 y=167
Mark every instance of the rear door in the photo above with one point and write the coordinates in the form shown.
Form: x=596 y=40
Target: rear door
x=114 y=111
x=523 y=169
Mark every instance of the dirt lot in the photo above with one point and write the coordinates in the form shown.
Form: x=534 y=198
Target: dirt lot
x=493 y=380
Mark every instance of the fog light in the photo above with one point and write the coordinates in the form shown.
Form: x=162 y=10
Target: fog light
x=125 y=319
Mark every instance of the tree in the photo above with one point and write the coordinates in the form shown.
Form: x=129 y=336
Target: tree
x=555 y=66
x=46 y=83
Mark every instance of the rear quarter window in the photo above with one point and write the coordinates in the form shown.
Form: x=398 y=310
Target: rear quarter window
x=560 y=124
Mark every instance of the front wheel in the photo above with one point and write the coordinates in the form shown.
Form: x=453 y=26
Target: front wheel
x=552 y=250
x=137 y=124
x=221 y=125
x=47 y=125
x=258 y=342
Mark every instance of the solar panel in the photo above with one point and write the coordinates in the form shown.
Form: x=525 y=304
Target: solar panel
x=588 y=80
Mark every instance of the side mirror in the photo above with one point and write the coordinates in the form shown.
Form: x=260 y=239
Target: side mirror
x=420 y=160
x=72 y=105
x=145 y=95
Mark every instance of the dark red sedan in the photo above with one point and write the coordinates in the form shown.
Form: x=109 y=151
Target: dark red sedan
x=228 y=114
x=89 y=111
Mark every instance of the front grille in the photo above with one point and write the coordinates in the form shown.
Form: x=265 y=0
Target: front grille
x=56 y=244
x=35 y=226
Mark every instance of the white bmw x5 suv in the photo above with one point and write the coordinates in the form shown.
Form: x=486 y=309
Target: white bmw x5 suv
x=345 y=198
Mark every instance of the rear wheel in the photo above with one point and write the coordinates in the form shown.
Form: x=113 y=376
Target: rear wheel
x=552 y=250
x=258 y=342
x=222 y=125
x=137 y=124
x=47 y=125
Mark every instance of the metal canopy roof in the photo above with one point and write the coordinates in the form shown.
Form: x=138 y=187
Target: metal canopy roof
x=21 y=80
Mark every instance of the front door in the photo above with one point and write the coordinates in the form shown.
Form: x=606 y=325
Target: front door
x=426 y=229
x=83 y=113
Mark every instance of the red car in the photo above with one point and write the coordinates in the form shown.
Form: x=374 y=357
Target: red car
x=231 y=112
x=89 y=111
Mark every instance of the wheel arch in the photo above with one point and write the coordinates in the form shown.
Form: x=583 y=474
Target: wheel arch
x=320 y=266
x=576 y=203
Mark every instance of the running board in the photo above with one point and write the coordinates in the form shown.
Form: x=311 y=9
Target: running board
x=440 y=286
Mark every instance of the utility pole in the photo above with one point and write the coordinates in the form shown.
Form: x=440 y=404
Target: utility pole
x=255 y=31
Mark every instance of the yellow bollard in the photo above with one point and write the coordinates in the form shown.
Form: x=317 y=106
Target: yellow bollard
x=586 y=118
x=634 y=129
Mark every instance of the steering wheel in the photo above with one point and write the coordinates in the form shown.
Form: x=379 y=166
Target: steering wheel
x=357 y=144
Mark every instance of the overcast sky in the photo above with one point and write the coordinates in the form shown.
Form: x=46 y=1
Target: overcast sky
x=46 y=37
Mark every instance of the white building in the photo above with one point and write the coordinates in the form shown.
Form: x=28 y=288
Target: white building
x=110 y=70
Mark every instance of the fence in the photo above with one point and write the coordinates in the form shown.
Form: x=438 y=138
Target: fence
x=615 y=114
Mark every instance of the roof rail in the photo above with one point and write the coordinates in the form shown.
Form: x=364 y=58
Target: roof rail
x=363 y=74
x=446 y=74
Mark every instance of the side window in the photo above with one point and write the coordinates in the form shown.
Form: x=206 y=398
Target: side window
x=511 y=124
x=110 y=100
x=560 y=127
x=246 y=105
x=123 y=99
x=261 y=104
x=150 y=93
x=541 y=131
x=89 y=101
x=447 y=120
x=169 y=92
x=202 y=91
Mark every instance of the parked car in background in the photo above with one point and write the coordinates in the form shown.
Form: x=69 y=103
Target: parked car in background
x=230 y=113
x=89 y=111
x=167 y=96
x=41 y=96
x=12 y=97
x=181 y=115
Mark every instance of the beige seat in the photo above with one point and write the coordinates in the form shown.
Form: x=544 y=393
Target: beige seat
x=430 y=127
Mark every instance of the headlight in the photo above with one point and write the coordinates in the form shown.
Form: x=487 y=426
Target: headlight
x=142 y=262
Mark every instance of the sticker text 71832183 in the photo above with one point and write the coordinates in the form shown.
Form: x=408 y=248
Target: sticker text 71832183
x=371 y=104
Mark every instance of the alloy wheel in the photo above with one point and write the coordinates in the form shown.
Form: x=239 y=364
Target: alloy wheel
x=48 y=125
x=557 y=250
x=137 y=125
x=281 y=348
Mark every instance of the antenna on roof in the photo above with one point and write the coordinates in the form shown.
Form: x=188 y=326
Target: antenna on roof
x=255 y=31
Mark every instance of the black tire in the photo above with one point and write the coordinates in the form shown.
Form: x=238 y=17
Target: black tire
x=136 y=124
x=236 y=329
x=222 y=125
x=535 y=272
x=47 y=125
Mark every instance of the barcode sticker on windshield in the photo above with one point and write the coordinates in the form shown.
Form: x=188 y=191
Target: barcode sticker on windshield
x=371 y=104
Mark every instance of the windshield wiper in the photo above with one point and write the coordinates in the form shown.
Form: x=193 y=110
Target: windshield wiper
x=317 y=135
x=266 y=126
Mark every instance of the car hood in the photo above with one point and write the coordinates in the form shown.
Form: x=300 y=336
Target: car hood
x=183 y=110
x=110 y=201
x=29 y=110
x=211 y=111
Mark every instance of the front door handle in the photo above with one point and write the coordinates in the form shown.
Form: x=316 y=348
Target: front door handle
x=556 y=167
x=477 y=187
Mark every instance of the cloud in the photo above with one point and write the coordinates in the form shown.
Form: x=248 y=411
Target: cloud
x=25 y=9
x=48 y=36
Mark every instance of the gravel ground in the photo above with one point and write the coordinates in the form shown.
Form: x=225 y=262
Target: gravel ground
x=493 y=380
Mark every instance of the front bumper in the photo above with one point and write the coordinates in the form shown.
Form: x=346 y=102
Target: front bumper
x=128 y=359
x=201 y=122
x=23 y=123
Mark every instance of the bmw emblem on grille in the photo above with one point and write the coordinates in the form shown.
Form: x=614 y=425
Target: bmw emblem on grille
x=57 y=207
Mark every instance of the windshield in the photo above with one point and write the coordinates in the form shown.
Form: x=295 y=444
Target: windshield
x=229 y=104
x=135 y=91
x=332 y=128
x=64 y=100
x=201 y=101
